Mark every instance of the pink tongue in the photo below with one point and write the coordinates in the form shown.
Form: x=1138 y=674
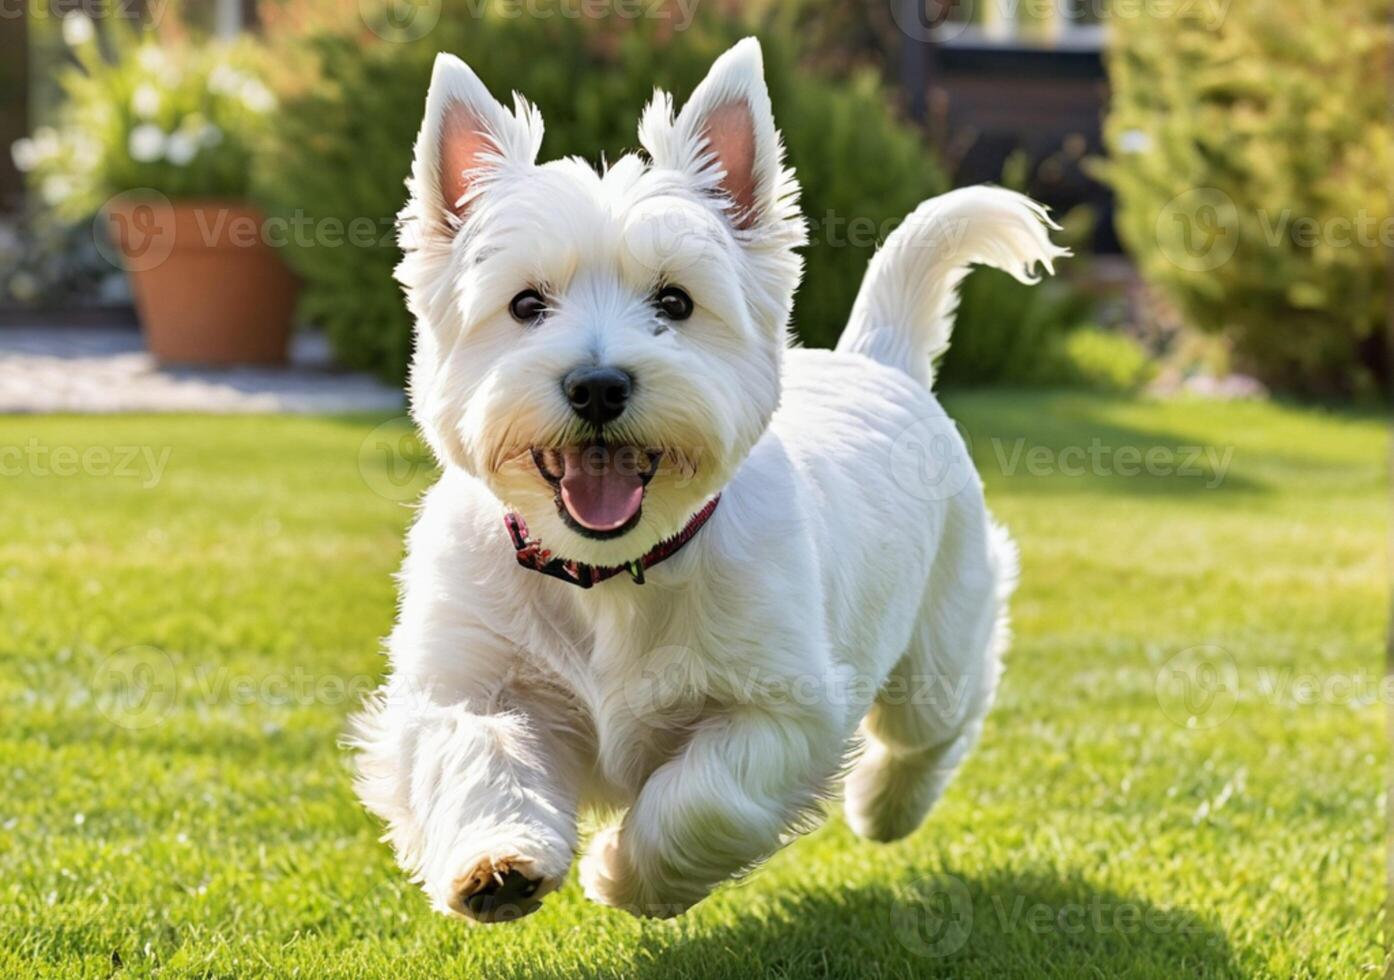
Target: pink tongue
x=600 y=492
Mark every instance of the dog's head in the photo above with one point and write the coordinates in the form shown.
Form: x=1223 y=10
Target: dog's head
x=601 y=349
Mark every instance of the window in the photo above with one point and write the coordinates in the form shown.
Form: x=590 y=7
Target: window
x=1077 y=24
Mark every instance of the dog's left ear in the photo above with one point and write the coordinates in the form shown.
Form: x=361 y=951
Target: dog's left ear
x=724 y=138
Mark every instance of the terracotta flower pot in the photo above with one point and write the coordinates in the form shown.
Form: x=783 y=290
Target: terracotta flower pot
x=208 y=287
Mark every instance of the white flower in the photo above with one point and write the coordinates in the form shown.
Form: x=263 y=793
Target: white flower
x=77 y=29
x=257 y=97
x=225 y=80
x=25 y=154
x=29 y=152
x=145 y=101
x=1134 y=141
x=150 y=58
x=56 y=189
x=147 y=143
x=46 y=141
x=87 y=151
x=180 y=148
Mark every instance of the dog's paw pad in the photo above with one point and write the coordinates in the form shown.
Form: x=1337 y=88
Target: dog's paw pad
x=496 y=891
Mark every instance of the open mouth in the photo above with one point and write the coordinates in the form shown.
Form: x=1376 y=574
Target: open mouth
x=599 y=488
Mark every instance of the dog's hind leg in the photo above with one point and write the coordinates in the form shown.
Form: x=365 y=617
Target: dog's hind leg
x=931 y=709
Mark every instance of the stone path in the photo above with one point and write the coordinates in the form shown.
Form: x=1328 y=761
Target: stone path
x=104 y=370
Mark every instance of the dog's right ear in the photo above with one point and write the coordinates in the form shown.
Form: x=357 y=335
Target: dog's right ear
x=466 y=139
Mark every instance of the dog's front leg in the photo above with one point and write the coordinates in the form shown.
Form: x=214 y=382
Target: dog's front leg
x=479 y=792
x=743 y=782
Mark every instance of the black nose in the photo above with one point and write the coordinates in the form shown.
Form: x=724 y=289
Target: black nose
x=597 y=394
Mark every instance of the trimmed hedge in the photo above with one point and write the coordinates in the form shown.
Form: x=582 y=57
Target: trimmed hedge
x=1251 y=155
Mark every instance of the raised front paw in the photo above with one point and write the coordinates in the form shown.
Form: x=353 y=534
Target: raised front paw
x=503 y=882
x=496 y=892
x=610 y=877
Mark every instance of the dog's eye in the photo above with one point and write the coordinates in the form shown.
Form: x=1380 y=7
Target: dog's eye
x=527 y=306
x=674 y=303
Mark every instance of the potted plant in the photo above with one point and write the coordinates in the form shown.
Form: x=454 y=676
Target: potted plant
x=157 y=139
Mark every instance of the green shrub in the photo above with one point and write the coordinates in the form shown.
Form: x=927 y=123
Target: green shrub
x=1009 y=332
x=342 y=150
x=1104 y=360
x=1264 y=132
x=1038 y=336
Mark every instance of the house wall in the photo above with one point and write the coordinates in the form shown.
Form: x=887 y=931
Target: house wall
x=987 y=100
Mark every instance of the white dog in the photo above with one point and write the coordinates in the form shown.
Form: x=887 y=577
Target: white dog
x=675 y=571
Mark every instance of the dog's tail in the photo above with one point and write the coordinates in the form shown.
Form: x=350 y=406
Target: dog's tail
x=904 y=312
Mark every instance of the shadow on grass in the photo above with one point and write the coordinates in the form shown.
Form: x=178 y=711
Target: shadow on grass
x=1062 y=442
x=1034 y=441
x=944 y=925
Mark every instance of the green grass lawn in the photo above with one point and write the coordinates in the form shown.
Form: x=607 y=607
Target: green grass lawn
x=1108 y=825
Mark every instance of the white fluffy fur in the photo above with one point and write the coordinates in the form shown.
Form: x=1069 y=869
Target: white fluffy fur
x=830 y=597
